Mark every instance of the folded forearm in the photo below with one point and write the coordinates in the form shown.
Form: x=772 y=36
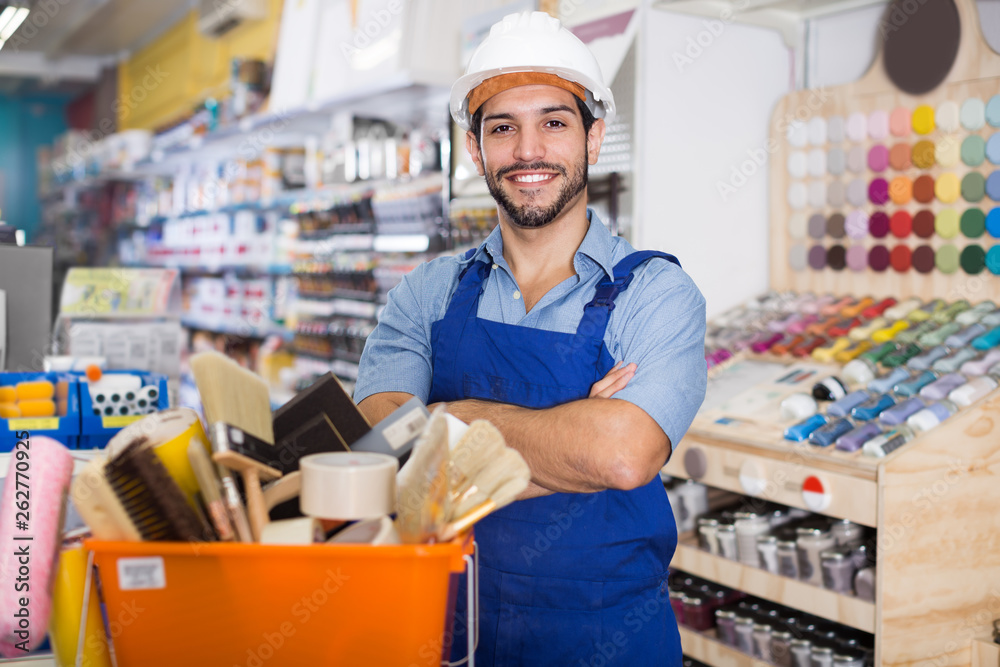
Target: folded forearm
x=579 y=447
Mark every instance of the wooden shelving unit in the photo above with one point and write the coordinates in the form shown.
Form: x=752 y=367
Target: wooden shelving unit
x=845 y=609
x=706 y=649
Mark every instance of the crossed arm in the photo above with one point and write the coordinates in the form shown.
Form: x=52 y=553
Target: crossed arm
x=584 y=446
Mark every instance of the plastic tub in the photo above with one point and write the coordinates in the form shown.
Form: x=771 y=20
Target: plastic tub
x=170 y=604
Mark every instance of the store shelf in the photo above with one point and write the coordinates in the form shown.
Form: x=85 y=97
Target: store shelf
x=845 y=609
x=236 y=329
x=336 y=307
x=706 y=649
x=985 y=653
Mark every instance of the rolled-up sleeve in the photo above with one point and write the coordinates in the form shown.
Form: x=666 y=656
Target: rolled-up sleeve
x=397 y=354
x=662 y=331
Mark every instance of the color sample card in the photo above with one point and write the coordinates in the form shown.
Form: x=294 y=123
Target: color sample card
x=897 y=189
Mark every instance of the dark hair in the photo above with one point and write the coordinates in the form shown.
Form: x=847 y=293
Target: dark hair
x=476 y=123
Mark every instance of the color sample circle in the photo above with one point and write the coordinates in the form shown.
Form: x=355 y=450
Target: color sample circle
x=993 y=186
x=878 y=125
x=856 y=224
x=836 y=226
x=901 y=224
x=797 y=257
x=856 y=192
x=856 y=159
x=857 y=258
x=878 y=157
x=993 y=223
x=947 y=116
x=816 y=162
x=836 y=193
x=946 y=223
x=923 y=189
x=947 y=151
x=836 y=161
x=899 y=258
x=993 y=149
x=797 y=225
x=817 y=194
x=947 y=188
x=817 y=226
x=836 y=257
x=816 y=129
x=878 y=258
x=817 y=257
x=973 y=114
x=973 y=223
x=923 y=259
x=797 y=164
x=797 y=195
x=993 y=260
x=923 y=224
x=923 y=119
x=797 y=135
x=923 y=154
x=878 y=191
x=878 y=224
x=899 y=122
x=973 y=186
x=972 y=259
x=899 y=157
x=857 y=127
x=973 y=150
x=946 y=259
x=835 y=129
x=993 y=111
x=901 y=190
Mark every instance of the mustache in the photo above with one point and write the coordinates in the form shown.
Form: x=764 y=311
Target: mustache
x=534 y=166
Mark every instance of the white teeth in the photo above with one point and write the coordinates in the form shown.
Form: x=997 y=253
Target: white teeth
x=532 y=178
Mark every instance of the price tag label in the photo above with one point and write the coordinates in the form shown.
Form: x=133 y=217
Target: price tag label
x=36 y=424
x=141 y=574
x=120 y=421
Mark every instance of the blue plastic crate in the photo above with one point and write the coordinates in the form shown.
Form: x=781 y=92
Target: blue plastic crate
x=64 y=428
x=97 y=430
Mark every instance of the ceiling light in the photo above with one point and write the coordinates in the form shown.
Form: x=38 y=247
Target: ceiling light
x=10 y=20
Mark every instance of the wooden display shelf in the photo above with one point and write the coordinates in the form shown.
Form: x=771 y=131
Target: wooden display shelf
x=845 y=609
x=706 y=649
x=985 y=653
x=729 y=464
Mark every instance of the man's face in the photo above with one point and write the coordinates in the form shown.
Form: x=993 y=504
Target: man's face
x=534 y=153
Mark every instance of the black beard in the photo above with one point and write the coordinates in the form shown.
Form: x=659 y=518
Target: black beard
x=533 y=217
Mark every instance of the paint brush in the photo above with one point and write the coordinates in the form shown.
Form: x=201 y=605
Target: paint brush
x=99 y=507
x=504 y=495
x=422 y=499
x=235 y=398
x=505 y=471
x=211 y=494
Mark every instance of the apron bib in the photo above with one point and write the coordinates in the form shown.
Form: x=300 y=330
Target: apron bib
x=574 y=579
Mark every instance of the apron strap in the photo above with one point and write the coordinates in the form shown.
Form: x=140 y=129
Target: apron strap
x=596 y=313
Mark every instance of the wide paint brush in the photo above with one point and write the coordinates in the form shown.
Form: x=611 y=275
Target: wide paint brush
x=99 y=507
x=422 y=500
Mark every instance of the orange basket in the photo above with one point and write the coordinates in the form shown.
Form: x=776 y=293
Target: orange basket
x=226 y=604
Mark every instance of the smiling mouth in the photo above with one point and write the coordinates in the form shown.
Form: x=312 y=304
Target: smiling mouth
x=531 y=179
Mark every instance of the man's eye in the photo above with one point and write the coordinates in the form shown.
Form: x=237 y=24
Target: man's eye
x=501 y=128
x=556 y=123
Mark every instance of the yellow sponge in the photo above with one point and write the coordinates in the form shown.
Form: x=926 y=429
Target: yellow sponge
x=9 y=411
x=32 y=391
x=37 y=408
x=8 y=395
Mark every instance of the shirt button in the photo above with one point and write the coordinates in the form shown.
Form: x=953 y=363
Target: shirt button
x=517 y=295
x=496 y=266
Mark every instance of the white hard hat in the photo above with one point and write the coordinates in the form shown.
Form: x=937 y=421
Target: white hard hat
x=533 y=42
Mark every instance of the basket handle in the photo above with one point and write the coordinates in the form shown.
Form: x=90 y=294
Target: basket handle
x=471 y=607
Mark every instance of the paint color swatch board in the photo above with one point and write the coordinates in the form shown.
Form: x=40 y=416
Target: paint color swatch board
x=874 y=191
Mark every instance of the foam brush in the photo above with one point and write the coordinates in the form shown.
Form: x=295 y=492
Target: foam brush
x=422 y=501
x=152 y=499
x=99 y=507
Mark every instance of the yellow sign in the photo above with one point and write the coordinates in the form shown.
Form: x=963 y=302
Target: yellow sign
x=119 y=422
x=39 y=424
x=101 y=292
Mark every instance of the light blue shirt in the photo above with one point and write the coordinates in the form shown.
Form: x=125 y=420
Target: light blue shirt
x=658 y=323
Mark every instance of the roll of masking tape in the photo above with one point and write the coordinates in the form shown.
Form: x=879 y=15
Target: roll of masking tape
x=29 y=540
x=372 y=531
x=306 y=530
x=169 y=433
x=348 y=485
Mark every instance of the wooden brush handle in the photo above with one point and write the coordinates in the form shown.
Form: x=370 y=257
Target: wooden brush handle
x=255 y=502
x=467 y=520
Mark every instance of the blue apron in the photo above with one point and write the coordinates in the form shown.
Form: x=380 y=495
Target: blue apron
x=576 y=579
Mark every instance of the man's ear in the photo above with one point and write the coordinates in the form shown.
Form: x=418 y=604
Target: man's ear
x=475 y=152
x=595 y=138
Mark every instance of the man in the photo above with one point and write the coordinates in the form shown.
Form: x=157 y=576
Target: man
x=525 y=331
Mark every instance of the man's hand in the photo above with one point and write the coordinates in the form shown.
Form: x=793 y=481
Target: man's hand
x=614 y=381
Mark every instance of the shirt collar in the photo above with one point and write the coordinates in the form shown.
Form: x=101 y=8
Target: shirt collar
x=596 y=246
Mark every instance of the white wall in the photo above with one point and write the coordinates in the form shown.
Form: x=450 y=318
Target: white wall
x=697 y=122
